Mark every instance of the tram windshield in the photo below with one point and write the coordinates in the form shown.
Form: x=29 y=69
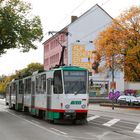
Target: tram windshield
x=75 y=82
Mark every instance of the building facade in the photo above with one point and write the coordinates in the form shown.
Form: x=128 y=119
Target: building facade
x=53 y=48
x=80 y=47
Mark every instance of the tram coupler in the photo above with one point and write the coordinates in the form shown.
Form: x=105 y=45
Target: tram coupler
x=69 y=115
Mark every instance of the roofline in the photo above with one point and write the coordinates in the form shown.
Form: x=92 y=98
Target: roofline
x=89 y=11
x=105 y=11
x=66 y=27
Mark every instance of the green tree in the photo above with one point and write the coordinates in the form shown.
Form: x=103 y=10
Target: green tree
x=18 y=28
x=29 y=70
x=121 y=40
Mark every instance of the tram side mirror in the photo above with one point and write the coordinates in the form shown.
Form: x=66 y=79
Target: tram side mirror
x=91 y=82
x=90 y=73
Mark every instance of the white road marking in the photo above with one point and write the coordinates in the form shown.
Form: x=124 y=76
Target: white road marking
x=111 y=122
x=44 y=128
x=92 y=118
x=137 y=129
x=35 y=121
x=59 y=131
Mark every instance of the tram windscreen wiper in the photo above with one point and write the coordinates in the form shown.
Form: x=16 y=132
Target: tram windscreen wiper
x=74 y=87
x=81 y=89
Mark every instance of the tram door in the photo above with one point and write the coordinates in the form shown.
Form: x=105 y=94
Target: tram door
x=16 y=93
x=49 y=91
x=22 y=92
x=33 y=95
x=10 y=94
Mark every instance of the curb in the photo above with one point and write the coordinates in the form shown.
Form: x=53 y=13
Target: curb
x=121 y=106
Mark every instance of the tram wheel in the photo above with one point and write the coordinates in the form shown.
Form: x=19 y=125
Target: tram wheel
x=51 y=121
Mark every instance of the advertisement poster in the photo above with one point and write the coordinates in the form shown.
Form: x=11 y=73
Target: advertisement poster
x=85 y=56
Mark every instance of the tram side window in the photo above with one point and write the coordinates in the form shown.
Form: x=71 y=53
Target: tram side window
x=43 y=77
x=21 y=87
x=58 y=88
x=41 y=83
x=37 y=84
x=14 y=88
x=10 y=90
x=28 y=86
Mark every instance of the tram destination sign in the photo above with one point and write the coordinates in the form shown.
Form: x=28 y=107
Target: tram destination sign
x=76 y=102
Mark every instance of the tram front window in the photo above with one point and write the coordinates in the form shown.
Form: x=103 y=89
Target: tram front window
x=75 y=82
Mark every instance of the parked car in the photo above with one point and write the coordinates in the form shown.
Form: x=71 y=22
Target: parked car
x=127 y=99
x=138 y=98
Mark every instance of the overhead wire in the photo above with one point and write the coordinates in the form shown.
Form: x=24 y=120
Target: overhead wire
x=77 y=7
x=102 y=26
x=88 y=14
x=71 y=12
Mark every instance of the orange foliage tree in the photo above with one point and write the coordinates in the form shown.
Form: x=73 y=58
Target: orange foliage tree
x=121 y=40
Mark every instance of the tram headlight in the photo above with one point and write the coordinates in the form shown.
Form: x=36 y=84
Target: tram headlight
x=67 y=106
x=83 y=106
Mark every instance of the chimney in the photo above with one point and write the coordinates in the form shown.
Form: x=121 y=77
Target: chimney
x=73 y=18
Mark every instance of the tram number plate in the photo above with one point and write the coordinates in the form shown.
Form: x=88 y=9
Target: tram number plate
x=70 y=111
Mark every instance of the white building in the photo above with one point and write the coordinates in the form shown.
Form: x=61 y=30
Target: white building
x=83 y=32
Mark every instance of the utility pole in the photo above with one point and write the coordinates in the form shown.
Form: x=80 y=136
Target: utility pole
x=113 y=82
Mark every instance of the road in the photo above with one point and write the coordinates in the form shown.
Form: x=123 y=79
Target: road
x=103 y=124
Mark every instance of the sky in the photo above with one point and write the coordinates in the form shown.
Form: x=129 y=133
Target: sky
x=56 y=14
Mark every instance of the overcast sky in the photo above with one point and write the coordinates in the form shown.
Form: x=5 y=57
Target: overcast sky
x=55 y=14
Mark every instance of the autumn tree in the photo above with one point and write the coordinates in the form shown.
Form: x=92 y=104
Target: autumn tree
x=18 y=28
x=4 y=80
x=121 y=41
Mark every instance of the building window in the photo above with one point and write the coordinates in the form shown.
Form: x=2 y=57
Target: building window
x=47 y=48
x=65 y=53
x=51 y=45
x=54 y=58
x=46 y=62
x=62 y=38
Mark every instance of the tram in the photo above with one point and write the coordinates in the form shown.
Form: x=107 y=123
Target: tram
x=57 y=94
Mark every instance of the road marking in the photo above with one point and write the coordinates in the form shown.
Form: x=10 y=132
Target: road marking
x=37 y=125
x=35 y=121
x=111 y=122
x=137 y=129
x=92 y=118
x=59 y=131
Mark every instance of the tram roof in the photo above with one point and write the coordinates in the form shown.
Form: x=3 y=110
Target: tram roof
x=69 y=68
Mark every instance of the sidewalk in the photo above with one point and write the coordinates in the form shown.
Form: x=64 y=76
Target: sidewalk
x=97 y=107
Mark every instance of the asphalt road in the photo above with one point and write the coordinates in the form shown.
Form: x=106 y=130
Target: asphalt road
x=103 y=124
